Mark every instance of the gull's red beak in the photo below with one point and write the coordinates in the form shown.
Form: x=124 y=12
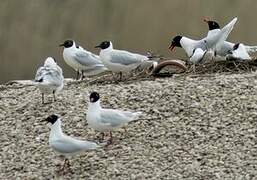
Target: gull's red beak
x=206 y=19
x=172 y=48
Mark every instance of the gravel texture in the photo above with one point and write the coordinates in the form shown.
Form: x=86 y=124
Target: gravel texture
x=193 y=127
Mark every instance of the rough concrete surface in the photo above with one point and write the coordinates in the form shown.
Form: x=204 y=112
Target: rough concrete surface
x=193 y=127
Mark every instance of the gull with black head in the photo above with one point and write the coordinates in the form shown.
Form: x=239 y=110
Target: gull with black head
x=239 y=52
x=81 y=60
x=107 y=120
x=212 y=42
x=120 y=61
x=66 y=145
x=226 y=47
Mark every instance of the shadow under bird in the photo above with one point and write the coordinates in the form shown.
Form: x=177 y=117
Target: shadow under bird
x=120 y=61
x=81 y=60
x=195 y=49
x=226 y=47
x=107 y=120
x=49 y=78
x=66 y=145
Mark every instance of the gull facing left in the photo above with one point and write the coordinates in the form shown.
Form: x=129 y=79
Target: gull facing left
x=66 y=145
x=239 y=52
x=227 y=47
x=213 y=41
x=83 y=61
x=120 y=61
x=107 y=120
x=49 y=78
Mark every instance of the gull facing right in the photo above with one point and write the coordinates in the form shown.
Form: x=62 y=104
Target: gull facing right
x=107 y=120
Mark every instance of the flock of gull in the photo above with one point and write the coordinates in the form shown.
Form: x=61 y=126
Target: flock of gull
x=49 y=79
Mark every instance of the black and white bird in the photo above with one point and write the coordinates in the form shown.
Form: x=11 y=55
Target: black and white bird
x=49 y=78
x=212 y=42
x=66 y=145
x=226 y=46
x=197 y=55
x=239 y=52
x=107 y=120
x=81 y=60
x=120 y=61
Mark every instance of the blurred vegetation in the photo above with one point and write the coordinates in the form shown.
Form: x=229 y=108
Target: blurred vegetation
x=31 y=30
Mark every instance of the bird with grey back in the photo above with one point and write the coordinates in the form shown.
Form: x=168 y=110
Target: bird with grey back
x=121 y=61
x=49 y=78
x=84 y=62
x=66 y=145
x=107 y=120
